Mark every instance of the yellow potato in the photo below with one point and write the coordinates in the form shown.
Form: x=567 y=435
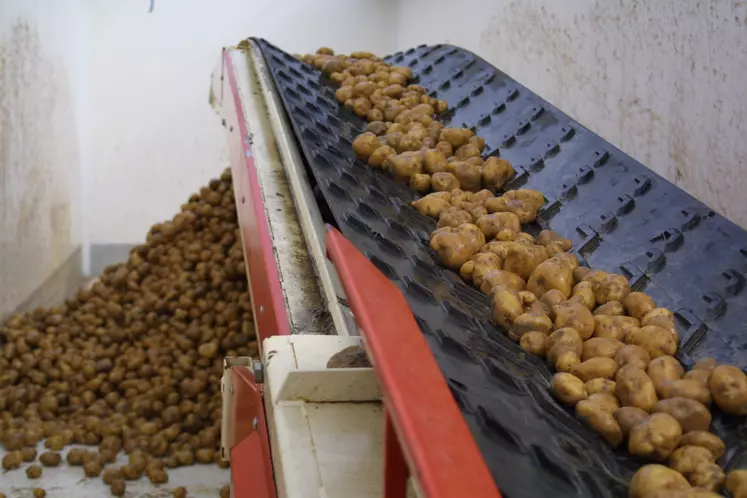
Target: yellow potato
x=503 y=278
x=584 y=292
x=703 y=377
x=561 y=341
x=655 y=340
x=634 y=356
x=529 y=322
x=707 y=475
x=496 y=172
x=690 y=414
x=522 y=259
x=456 y=136
x=452 y=247
x=607 y=402
x=506 y=306
x=638 y=304
x=484 y=264
x=600 y=386
x=434 y=161
x=601 y=347
x=444 y=182
x=534 y=343
x=567 y=388
x=547 y=237
x=685 y=458
x=380 y=156
x=729 y=389
x=595 y=368
x=634 y=388
x=491 y=224
x=707 y=364
x=550 y=274
x=614 y=308
x=652 y=478
x=736 y=483
x=580 y=273
x=575 y=315
x=566 y=361
x=706 y=440
x=614 y=327
x=683 y=388
x=421 y=183
x=627 y=417
x=612 y=288
x=655 y=438
x=469 y=176
x=453 y=217
x=552 y=298
x=365 y=144
x=601 y=421
x=663 y=370
x=431 y=206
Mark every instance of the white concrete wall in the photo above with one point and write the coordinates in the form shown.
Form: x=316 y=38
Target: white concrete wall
x=154 y=139
x=664 y=80
x=41 y=61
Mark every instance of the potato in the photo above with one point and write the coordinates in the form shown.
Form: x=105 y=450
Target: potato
x=638 y=304
x=706 y=440
x=612 y=288
x=595 y=368
x=663 y=370
x=491 y=224
x=600 y=386
x=343 y=94
x=453 y=249
x=496 y=172
x=613 y=308
x=478 y=143
x=445 y=148
x=434 y=161
x=475 y=210
x=627 y=417
x=469 y=176
x=568 y=388
x=456 y=136
x=522 y=259
x=421 y=183
x=690 y=414
x=655 y=438
x=600 y=347
x=634 y=356
x=444 y=182
x=380 y=156
x=482 y=195
x=453 y=217
x=472 y=235
x=552 y=298
x=661 y=317
x=561 y=341
x=499 y=247
x=404 y=165
x=12 y=460
x=506 y=306
x=707 y=475
x=466 y=151
x=503 y=278
x=634 y=388
x=655 y=340
x=736 y=483
x=583 y=292
x=377 y=127
x=550 y=274
x=566 y=361
x=575 y=315
x=529 y=322
x=431 y=206
x=484 y=264
x=607 y=402
x=361 y=106
x=653 y=477
x=685 y=458
x=459 y=196
x=729 y=389
x=683 y=388
x=534 y=342
x=601 y=421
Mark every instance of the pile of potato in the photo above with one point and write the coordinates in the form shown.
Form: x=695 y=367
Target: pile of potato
x=613 y=348
x=134 y=363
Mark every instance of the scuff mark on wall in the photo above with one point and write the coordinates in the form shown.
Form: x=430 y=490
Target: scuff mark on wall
x=39 y=164
x=663 y=81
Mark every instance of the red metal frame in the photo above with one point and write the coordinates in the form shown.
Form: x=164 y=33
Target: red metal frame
x=270 y=315
x=248 y=440
x=433 y=436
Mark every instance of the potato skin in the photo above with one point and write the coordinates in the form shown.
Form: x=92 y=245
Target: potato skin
x=708 y=475
x=529 y=322
x=691 y=415
x=561 y=341
x=600 y=386
x=685 y=458
x=550 y=274
x=601 y=421
x=635 y=388
x=729 y=389
x=638 y=304
x=506 y=306
x=628 y=416
x=595 y=368
x=611 y=308
x=534 y=342
x=575 y=315
x=567 y=388
x=655 y=438
x=632 y=355
x=614 y=327
x=684 y=388
x=655 y=340
x=503 y=278
x=663 y=370
x=706 y=440
x=600 y=347
x=653 y=477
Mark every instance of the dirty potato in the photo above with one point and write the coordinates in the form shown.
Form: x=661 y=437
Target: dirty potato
x=565 y=344
x=663 y=370
x=583 y=292
x=444 y=182
x=633 y=387
x=568 y=388
x=503 y=278
x=652 y=478
x=601 y=347
x=600 y=386
x=655 y=340
x=522 y=259
x=612 y=288
x=638 y=304
x=529 y=322
x=728 y=386
x=595 y=368
x=431 y=205
x=706 y=440
x=632 y=355
x=614 y=327
x=601 y=421
x=655 y=438
x=550 y=274
x=691 y=415
x=496 y=172
x=575 y=315
x=506 y=306
x=685 y=458
x=627 y=417
x=683 y=388
x=534 y=342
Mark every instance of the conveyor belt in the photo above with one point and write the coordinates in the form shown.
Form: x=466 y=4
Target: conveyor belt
x=620 y=215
